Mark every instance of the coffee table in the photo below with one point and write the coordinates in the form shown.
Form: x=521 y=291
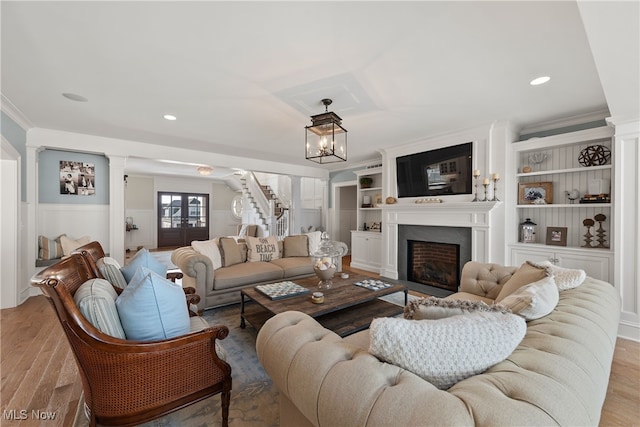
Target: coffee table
x=346 y=309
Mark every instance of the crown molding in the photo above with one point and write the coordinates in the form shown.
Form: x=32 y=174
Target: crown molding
x=566 y=121
x=15 y=114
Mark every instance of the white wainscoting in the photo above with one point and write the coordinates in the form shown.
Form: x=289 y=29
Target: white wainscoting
x=145 y=235
x=75 y=221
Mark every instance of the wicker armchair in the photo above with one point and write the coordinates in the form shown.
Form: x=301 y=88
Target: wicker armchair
x=130 y=382
x=93 y=251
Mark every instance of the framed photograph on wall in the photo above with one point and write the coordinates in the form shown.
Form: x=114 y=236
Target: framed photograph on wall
x=557 y=236
x=534 y=193
x=77 y=178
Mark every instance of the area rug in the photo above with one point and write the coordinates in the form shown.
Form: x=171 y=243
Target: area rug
x=254 y=399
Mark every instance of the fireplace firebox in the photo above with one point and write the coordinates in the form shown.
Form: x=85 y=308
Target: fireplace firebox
x=434 y=264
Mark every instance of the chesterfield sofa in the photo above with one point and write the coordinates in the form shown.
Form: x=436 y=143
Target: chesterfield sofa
x=557 y=375
x=220 y=284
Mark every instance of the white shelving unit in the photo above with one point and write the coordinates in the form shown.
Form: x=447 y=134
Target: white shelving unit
x=563 y=170
x=366 y=250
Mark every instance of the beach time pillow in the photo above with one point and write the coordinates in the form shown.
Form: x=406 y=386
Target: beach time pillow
x=262 y=248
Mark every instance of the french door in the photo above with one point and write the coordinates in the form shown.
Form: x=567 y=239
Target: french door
x=182 y=218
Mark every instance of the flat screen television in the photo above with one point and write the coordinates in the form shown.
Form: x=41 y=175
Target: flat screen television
x=439 y=172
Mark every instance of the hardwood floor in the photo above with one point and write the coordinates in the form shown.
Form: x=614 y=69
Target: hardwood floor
x=39 y=373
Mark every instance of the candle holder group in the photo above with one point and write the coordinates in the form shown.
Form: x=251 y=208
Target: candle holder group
x=486 y=183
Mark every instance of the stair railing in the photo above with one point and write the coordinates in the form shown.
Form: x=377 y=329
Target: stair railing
x=257 y=193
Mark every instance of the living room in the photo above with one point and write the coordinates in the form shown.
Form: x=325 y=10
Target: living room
x=269 y=97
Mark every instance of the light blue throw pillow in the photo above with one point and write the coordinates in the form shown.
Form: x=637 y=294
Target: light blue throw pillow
x=143 y=259
x=152 y=308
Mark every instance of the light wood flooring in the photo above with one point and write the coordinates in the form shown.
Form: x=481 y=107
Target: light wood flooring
x=39 y=373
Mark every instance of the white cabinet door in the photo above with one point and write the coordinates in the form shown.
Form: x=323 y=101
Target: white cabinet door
x=358 y=249
x=596 y=264
x=366 y=251
x=374 y=244
x=597 y=267
x=518 y=256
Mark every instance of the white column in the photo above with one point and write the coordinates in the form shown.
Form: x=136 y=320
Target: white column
x=626 y=233
x=295 y=211
x=30 y=246
x=9 y=225
x=117 y=228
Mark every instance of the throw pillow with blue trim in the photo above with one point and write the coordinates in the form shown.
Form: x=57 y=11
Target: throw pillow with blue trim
x=152 y=308
x=143 y=259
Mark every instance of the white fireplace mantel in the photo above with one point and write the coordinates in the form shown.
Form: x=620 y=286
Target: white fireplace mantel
x=473 y=215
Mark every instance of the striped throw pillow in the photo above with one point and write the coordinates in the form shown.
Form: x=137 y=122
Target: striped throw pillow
x=96 y=300
x=110 y=270
x=49 y=248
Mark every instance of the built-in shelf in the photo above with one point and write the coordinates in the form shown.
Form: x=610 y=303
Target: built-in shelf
x=542 y=246
x=566 y=173
x=569 y=170
x=371 y=189
x=566 y=205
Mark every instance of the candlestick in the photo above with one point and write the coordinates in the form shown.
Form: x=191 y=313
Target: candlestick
x=475 y=198
x=496 y=178
x=476 y=173
x=485 y=183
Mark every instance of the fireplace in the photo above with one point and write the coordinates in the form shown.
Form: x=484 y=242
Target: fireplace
x=434 y=264
x=450 y=249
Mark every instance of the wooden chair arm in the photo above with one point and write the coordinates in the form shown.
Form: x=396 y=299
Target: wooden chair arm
x=174 y=275
x=153 y=373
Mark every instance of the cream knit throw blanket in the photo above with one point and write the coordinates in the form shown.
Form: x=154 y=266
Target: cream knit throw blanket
x=446 y=351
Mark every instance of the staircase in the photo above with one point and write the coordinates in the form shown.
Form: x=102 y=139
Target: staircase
x=265 y=204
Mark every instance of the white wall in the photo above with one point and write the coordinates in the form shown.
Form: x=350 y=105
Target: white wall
x=9 y=219
x=626 y=228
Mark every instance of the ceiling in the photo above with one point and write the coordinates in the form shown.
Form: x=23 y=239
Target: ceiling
x=244 y=77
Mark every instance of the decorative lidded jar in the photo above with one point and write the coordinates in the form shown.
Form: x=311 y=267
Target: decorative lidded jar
x=325 y=262
x=528 y=231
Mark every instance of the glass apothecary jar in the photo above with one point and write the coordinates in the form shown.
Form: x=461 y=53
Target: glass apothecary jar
x=325 y=262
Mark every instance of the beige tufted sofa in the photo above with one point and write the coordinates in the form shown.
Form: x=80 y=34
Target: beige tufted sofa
x=558 y=375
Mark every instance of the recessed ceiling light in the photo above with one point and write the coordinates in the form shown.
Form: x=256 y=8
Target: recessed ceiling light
x=540 y=80
x=75 y=97
x=169 y=117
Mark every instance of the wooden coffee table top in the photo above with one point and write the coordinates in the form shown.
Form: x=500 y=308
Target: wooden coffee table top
x=353 y=307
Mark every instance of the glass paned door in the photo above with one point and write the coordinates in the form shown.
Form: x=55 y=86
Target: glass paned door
x=182 y=218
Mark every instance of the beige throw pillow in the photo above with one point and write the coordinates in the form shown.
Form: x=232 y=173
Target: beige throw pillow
x=534 y=300
x=230 y=251
x=262 y=248
x=296 y=246
x=210 y=249
x=438 y=308
x=69 y=245
x=527 y=273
